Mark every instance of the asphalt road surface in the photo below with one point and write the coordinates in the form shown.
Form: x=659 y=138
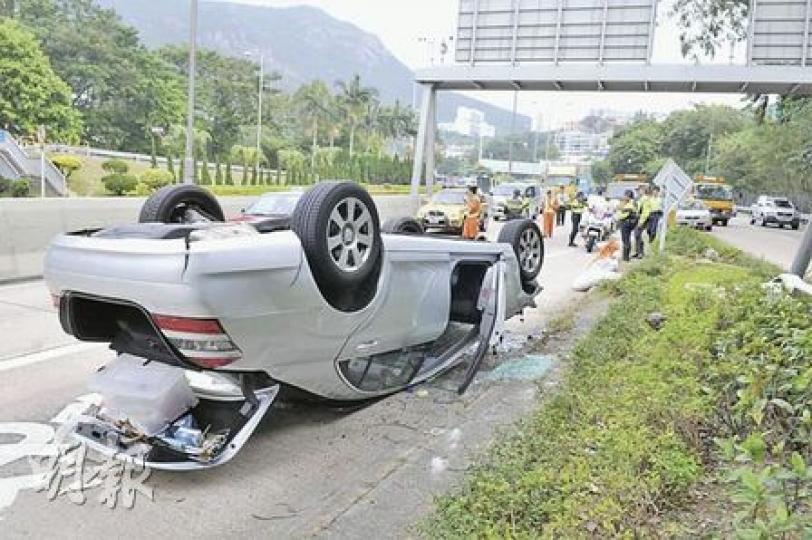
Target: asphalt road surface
x=308 y=470
x=770 y=243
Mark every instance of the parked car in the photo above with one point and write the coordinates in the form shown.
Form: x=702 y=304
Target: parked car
x=695 y=213
x=775 y=210
x=271 y=212
x=445 y=212
x=209 y=320
x=502 y=194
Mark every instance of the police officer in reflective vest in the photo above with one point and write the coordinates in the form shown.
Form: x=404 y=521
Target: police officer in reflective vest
x=577 y=208
x=644 y=213
x=655 y=213
x=627 y=218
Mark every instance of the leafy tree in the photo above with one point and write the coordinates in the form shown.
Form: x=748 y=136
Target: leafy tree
x=601 y=172
x=688 y=135
x=229 y=178
x=634 y=148
x=156 y=178
x=314 y=102
x=67 y=164
x=205 y=174
x=119 y=184
x=121 y=88
x=355 y=99
x=226 y=93
x=31 y=94
x=707 y=25
x=170 y=166
x=118 y=166
x=21 y=187
x=218 y=173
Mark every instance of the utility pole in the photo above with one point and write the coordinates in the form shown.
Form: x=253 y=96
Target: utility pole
x=189 y=157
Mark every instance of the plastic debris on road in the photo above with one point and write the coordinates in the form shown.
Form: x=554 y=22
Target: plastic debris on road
x=527 y=368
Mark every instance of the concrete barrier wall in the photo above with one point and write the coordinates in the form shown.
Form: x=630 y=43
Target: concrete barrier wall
x=27 y=225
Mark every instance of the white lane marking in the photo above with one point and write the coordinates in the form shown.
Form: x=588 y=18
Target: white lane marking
x=50 y=354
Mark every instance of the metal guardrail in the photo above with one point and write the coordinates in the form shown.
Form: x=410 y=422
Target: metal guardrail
x=129 y=156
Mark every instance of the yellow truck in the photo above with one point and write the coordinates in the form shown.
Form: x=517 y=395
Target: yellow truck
x=717 y=196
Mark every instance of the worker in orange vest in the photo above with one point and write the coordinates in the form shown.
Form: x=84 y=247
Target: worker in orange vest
x=473 y=210
x=549 y=210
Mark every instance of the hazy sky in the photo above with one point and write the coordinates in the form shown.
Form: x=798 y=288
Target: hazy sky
x=401 y=23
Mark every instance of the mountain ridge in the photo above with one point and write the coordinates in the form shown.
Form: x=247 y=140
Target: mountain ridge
x=301 y=43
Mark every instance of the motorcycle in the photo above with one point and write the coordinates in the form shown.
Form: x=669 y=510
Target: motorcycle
x=595 y=229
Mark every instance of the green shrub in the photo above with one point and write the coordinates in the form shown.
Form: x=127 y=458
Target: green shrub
x=627 y=434
x=5 y=186
x=120 y=184
x=155 y=179
x=21 y=187
x=115 y=166
x=67 y=164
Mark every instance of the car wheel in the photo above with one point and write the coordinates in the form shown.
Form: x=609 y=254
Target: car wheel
x=724 y=223
x=528 y=245
x=337 y=224
x=590 y=244
x=183 y=203
x=483 y=224
x=403 y=225
x=752 y=221
x=796 y=225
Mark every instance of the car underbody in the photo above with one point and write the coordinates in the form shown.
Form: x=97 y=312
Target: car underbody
x=249 y=312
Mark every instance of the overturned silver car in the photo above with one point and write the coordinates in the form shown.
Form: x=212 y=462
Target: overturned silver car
x=209 y=320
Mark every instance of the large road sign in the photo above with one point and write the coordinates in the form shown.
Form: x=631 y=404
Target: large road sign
x=780 y=32
x=555 y=30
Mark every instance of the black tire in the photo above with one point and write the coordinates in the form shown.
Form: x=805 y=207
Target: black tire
x=517 y=233
x=724 y=223
x=796 y=225
x=590 y=244
x=483 y=224
x=313 y=223
x=403 y=225
x=170 y=203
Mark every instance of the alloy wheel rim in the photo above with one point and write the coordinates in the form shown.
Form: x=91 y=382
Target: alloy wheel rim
x=529 y=250
x=349 y=234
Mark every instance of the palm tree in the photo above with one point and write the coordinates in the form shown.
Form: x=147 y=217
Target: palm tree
x=355 y=99
x=314 y=102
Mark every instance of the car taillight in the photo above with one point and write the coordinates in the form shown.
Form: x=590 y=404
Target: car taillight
x=202 y=342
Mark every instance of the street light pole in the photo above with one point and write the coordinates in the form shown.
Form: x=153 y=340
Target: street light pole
x=259 y=103
x=189 y=159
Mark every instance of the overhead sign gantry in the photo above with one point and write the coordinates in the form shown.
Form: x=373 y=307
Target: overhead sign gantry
x=603 y=46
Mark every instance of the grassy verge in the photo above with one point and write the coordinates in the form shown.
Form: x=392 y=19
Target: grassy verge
x=722 y=390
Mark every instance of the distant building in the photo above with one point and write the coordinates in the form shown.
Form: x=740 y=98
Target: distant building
x=518 y=169
x=469 y=122
x=575 y=143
